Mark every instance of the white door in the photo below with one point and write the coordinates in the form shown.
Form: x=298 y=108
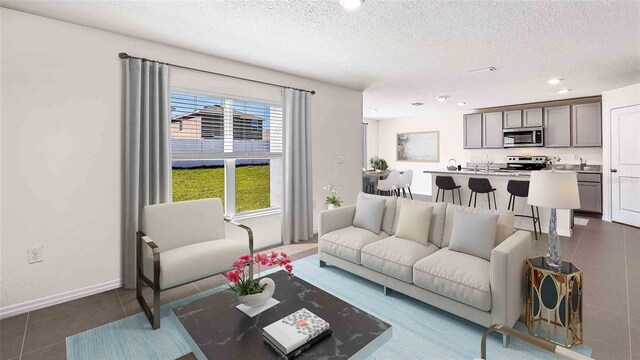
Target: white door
x=625 y=165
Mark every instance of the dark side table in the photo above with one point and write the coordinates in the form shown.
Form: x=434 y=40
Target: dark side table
x=554 y=302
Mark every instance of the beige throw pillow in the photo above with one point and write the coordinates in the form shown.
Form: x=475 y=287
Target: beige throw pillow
x=413 y=223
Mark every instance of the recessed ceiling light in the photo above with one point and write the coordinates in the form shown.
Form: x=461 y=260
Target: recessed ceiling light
x=554 y=81
x=462 y=103
x=475 y=71
x=442 y=98
x=417 y=103
x=374 y=110
x=351 y=4
x=563 y=91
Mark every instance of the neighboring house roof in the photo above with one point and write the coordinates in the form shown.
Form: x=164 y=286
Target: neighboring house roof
x=215 y=111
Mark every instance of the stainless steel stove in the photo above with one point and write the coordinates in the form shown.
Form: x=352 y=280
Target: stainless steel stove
x=526 y=162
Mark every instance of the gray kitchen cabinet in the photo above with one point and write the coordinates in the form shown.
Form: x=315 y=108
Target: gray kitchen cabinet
x=512 y=119
x=472 y=128
x=590 y=191
x=492 y=130
x=590 y=196
x=532 y=117
x=586 y=125
x=557 y=126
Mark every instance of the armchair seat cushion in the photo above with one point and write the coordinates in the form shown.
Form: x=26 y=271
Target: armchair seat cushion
x=191 y=262
x=395 y=256
x=459 y=276
x=347 y=242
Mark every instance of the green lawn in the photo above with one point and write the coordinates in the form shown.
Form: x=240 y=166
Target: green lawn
x=252 y=185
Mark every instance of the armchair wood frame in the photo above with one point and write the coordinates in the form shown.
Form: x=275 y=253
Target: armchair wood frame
x=141 y=237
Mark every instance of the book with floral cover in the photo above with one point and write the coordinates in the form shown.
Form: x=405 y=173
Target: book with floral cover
x=290 y=335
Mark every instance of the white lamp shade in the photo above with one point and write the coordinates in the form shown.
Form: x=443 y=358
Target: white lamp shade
x=554 y=189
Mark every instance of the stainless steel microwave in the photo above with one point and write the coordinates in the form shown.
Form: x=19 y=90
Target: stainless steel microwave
x=523 y=137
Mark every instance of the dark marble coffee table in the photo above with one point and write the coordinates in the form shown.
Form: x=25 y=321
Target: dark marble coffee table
x=215 y=329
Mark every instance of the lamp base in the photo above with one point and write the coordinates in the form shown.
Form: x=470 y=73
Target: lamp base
x=553 y=259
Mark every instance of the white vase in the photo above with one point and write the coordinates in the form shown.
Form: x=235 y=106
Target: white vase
x=261 y=298
x=331 y=206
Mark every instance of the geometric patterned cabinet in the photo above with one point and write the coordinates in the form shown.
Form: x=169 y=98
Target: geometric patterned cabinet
x=554 y=302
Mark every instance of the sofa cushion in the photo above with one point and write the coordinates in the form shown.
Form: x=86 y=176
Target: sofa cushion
x=369 y=212
x=474 y=234
x=456 y=275
x=346 y=243
x=395 y=257
x=193 y=262
x=436 y=226
x=413 y=223
x=389 y=210
x=503 y=231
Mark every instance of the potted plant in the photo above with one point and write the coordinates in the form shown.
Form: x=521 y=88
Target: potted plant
x=332 y=200
x=252 y=292
x=378 y=163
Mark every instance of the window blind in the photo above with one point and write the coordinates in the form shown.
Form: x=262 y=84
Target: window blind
x=209 y=128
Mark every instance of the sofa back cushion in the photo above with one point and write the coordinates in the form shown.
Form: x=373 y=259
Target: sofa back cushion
x=177 y=224
x=436 y=226
x=369 y=212
x=474 y=233
x=503 y=230
x=389 y=210
x=413 y=223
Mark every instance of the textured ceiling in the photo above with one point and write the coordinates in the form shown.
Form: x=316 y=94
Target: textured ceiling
x=398 y=52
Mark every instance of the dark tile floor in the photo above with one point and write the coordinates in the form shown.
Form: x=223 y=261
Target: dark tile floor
x=608 y=253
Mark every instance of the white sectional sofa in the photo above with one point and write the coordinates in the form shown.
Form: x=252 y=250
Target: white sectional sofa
x=484 y=292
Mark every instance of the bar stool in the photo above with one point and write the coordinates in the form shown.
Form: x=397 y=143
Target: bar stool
x=446 y=183
x=482 y=186
x=520 y=188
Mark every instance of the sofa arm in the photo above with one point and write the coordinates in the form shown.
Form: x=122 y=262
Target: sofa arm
x=334 y=219
x=507 y=270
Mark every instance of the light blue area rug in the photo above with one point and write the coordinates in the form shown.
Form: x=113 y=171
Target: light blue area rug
x=420 y=331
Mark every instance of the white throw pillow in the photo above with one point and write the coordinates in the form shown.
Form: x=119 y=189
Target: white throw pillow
x=413 y=223
x=369 y=213
x=474 y=234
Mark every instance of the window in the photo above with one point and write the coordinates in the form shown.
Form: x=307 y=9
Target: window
x=226 y=148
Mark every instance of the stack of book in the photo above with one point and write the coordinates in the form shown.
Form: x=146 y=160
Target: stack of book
x=294 y=334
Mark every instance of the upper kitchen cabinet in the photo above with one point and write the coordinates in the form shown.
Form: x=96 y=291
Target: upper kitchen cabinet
x=472 y=127
x=557 y=126
x=532 y=117
x=587 y=125
x=492 y=130
x=512 y=119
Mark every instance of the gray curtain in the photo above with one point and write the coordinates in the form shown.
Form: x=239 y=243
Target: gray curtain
x=148 y=148
x=297 y=208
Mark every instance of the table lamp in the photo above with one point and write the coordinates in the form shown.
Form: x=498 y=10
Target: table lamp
x=555 y=190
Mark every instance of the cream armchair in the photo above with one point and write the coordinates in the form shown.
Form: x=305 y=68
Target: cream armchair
x=183 y=242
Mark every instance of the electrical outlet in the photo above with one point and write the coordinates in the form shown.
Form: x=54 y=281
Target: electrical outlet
x=35 y=255
x=340 y=159
x=576 y=156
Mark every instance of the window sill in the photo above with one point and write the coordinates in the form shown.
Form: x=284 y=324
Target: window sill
x=256 y=213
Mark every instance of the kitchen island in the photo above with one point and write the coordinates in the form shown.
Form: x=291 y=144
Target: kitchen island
x=499 y=180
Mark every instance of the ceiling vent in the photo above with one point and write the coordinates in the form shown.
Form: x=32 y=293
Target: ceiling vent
x=417 y=103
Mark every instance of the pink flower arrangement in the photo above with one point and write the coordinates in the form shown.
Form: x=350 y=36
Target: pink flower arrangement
x=241 y=278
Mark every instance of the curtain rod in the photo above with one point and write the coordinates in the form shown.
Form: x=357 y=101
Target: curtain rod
x=123 y=55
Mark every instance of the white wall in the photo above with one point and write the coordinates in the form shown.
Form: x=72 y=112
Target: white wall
x=626 y=96
x=449 y=124
x=63 y=151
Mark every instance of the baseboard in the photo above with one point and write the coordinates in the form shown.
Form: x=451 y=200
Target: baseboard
x=43 y=302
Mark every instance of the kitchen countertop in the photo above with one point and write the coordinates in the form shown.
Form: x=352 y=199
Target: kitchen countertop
x=500 y=172
x=518 y=173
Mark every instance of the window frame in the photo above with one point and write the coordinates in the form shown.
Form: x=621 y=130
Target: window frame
x=230 y=162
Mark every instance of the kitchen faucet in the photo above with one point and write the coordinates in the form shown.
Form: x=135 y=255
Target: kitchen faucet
x=582 y=164
x=489 y=163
